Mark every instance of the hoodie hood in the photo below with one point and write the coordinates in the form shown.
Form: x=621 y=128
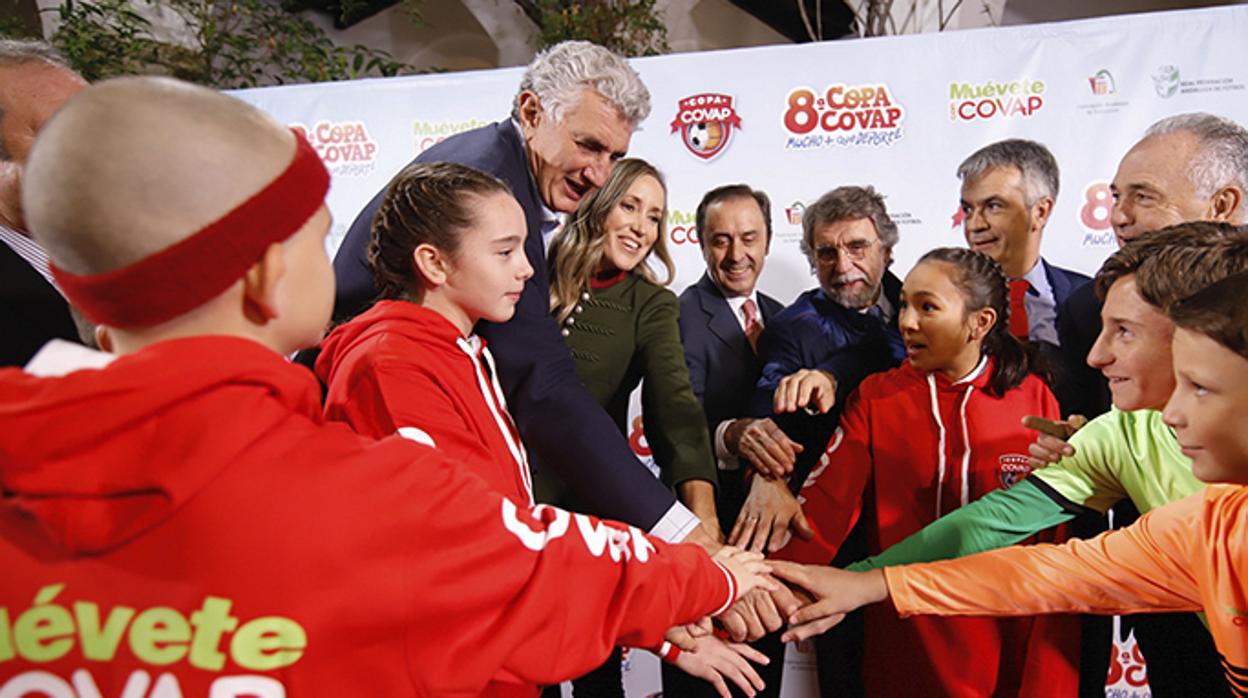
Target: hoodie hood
x=94 y=458
x=399 y=318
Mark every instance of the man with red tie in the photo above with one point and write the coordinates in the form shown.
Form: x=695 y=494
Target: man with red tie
x=1008 y=191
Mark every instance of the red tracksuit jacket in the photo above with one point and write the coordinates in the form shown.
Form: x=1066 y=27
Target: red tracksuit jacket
x=183 y=518
x=911 y=447
x=400 y=367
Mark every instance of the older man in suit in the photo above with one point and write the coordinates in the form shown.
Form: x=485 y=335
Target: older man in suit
x=721 y=318
x=34 y=83
x=572 y=119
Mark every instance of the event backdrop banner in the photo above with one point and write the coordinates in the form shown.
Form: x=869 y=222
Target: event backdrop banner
x=798 y=120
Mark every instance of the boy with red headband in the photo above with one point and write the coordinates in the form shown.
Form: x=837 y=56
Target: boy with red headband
x=181 y=518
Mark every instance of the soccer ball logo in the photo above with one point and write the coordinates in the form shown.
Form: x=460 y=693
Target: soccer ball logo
x=705 y=136
x=705 y=123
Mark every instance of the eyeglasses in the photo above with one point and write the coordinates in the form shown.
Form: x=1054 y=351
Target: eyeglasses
x=855 y=250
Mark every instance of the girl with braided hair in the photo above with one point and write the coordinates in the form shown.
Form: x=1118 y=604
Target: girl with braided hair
x=915 y=442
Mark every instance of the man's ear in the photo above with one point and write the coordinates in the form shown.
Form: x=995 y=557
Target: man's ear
x=981 y=322
x=1226 y=204
x=531 y=112
x=260 y=285
x=431 y=265
x=1040 y=212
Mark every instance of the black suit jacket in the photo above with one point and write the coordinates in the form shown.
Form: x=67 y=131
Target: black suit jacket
x=1078 y=326
x=560 y=421
x=31 y=311
x=1078 y=388
x=722 y=367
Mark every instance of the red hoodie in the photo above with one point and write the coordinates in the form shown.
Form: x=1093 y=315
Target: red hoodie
x=912 y=447
x=183 y=519
x=401 y=368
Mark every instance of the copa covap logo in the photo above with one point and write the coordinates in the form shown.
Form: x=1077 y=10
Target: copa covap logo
x=995 y=100
x=345 y=146
x=842 y=115
x=1013 y=467
x=705 y=123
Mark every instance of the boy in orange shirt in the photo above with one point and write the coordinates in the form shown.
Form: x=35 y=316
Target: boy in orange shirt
x=1191 y=555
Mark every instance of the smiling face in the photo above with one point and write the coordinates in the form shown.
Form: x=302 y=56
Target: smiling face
x=486 y=274
x=939 y=332
x=632 y=226
x=1152 y=190
x=1133 y=349
x=734 y=244
x=850 y=261
x=573 y=156
x=999 y=222
x=1208 y=407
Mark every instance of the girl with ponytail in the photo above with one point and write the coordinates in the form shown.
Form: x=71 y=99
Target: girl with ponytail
x=915 y=442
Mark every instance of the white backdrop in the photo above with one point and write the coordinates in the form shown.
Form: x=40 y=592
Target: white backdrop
x=797 y=120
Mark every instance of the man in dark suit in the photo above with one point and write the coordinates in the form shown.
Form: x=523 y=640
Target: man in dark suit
x=721 y=317
x=34 y=82
x=1008 y=191
x=1188 y=167
x=1156 y=185
x=573 y=117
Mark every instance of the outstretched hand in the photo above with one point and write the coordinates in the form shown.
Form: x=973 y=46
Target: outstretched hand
x=762 y=612
x=809 y=388
x=770 y=510
x=714 y=660
x=764 y=445
x=1050 y=445
x=836 y=591
x=747 y=568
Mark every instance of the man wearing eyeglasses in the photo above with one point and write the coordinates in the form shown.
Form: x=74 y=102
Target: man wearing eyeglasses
x=814 y=353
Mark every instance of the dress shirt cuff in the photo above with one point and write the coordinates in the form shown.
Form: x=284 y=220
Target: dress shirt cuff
x=675 y=525
x=724 y=459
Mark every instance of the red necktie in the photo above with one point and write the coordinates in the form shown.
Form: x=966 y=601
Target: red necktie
x=1019 y=326
x=753 y=327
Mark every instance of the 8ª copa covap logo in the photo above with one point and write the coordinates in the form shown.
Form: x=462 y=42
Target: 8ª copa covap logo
x=842 y=115
x=705 y=123
x=345 y=147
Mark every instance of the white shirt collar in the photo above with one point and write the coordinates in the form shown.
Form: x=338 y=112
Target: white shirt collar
x=30 y=251
x=1039 y=281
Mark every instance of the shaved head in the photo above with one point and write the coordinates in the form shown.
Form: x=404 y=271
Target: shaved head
x=131 y=166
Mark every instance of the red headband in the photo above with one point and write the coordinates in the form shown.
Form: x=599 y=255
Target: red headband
x=188 y=274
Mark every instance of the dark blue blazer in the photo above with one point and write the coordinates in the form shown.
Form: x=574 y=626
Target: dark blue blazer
x=31 y=311
x=817 y=332
x=561 y=423
x=1079 y=389
x=1078 y=326
x=723 y=369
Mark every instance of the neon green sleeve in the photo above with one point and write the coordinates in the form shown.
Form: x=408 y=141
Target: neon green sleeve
x=996 y=520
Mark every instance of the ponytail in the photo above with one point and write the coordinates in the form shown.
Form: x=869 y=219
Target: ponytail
x=983 y=285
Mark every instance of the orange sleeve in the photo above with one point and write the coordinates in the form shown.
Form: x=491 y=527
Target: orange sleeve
x=832 y=494
x=1144 y=567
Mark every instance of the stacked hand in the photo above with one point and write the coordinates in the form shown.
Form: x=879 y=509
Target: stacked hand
x=748 y=568
x=768 y=514
x=763 y=444
x=836 y=591
x=714 y=660
x=811 y=389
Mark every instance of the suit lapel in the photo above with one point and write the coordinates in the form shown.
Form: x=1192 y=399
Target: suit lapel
x=719 y=314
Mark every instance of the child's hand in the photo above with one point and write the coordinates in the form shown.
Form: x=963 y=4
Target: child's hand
x=836 y=593
x=1050 y=445
x=810 y=388
x=714 y=660
x=748 y=569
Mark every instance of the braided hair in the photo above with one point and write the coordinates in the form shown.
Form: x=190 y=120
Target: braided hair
x=983 y=285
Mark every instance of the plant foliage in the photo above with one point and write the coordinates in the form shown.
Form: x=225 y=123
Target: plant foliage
x=627 y=27
x=225 y=44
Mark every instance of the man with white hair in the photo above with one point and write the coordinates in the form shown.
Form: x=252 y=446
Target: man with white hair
x=1188 y=167
x=572 y=119
x=34 y=82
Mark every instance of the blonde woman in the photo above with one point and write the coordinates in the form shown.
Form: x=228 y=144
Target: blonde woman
x=620 y=324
